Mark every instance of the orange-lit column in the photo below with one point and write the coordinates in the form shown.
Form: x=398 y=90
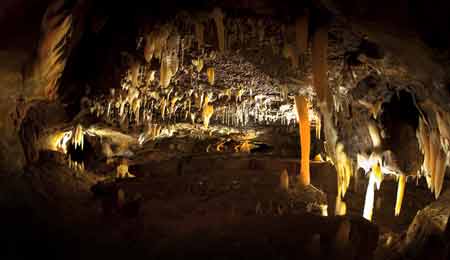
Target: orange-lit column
x=305 y=138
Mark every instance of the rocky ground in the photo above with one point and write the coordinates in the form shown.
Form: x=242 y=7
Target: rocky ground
x=202 y=208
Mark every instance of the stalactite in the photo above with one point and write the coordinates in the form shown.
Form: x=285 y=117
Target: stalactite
x=211 y=76
x=301 y=33
x=150 y=77
x=51 y=57
x=344 y=169
x=165 y=73
x=442 y=119
x=400 y=192
x=162 y=105
x=318 y=127
x=134 y=70
x=341 y=206
x=198 y=63
x=156 y=42
x=78 y=137
x=374 y=135
x=218 y=16
x=424 y=142
x=369 y=199
x=378 y=175
x=289 y=52
x=439 y=173
x=173 y=44
x=239 y=94
x=149 y=47
x=200 y=34
x=193 y=116
x=434 y=150
x=319 y=64
x=305 y=138
x=208 y=111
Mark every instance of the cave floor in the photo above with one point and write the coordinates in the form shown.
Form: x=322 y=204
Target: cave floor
x=195 y=207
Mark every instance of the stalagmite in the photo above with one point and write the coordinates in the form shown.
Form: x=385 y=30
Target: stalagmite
x=284 y=180
x=301 y=33
x=400 y=192
x=211 y=76
x=305 y=138
x=217 y=15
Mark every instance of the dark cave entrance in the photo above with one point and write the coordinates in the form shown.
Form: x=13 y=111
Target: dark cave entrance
x=401 y=108
x=400 y=119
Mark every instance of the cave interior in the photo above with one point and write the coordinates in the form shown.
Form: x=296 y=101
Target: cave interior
x=225 y=129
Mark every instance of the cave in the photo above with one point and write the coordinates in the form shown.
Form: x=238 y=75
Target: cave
x=225 y=129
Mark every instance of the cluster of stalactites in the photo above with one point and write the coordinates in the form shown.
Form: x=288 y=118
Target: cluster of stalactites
x=164 y=44
x=376 y=165
x=78 y=137
x=51 y=53
x=433 y=136
x=231 y=107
